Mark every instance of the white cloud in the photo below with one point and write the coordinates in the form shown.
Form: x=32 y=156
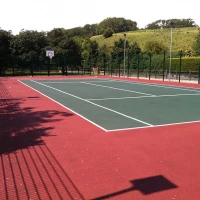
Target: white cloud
x=47 y=14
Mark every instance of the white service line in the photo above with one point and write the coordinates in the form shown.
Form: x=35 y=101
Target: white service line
x=135 y=119
x=153 y=96
x=116 y=88
x=65 y=107
x=154 y=85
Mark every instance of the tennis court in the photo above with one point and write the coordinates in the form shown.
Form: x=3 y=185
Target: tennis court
x=115 y=105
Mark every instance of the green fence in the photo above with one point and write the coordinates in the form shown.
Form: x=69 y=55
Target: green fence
x=149 y=66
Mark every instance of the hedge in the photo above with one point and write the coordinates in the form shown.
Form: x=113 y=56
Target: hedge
x=188 y=63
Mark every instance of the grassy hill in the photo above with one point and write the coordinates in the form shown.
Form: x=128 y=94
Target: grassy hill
x=182 y=37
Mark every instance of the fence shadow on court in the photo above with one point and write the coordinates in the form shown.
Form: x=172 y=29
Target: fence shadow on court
x=28 y=167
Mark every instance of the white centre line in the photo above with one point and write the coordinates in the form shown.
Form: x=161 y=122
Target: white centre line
x=117 y=88
x=135 y=119
x=153 y=96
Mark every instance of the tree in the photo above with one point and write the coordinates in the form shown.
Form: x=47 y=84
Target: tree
x=117 y=25
x=178 y=23
x=5 y=50
x=90 y=53
x=28 y=48
x=154 y=47
x=134 y=49
x=118 y=50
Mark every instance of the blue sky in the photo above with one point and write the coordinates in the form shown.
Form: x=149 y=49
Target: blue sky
x=44 y=15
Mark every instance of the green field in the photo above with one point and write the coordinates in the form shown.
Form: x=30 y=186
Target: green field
x=182 y=37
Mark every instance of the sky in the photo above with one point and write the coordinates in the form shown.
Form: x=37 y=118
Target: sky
x=45 y=15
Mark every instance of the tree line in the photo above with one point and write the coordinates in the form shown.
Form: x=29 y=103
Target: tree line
x=73 y=46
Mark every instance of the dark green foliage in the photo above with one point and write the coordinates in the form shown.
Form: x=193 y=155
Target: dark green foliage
x=108 y=33
x=5 y=50
x=117 y=25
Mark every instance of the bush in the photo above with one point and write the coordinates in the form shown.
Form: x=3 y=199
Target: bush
x=108 y=33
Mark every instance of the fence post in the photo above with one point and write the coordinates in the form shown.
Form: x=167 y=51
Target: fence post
x=150 y=67
x=179 y=79
x=138 y=65
x=111 y=65
x=32 y=69
x=128 y=65
x=190 y=75
x=118 y=65
x=104 y=65
x=65 y=65
x=199 y=75
x=164 y=66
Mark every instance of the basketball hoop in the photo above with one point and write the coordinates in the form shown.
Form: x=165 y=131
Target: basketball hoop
x=50 y=54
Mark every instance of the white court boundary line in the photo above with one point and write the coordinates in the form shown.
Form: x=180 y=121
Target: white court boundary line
x=154 y=126
x=66 y=108
x=163 y=86
x=140 y=97
x=135 y=119
x=117 y=88
x=64 y=82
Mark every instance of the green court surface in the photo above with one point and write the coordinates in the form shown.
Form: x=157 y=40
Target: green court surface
x=114 y=104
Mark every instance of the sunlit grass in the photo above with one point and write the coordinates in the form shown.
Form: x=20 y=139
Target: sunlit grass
x=182 y=37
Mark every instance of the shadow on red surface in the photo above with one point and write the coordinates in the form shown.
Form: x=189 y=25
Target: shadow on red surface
x=28 y=168
x=145 y=185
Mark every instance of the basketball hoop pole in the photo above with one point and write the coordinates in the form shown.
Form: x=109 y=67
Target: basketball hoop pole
x=50 y=54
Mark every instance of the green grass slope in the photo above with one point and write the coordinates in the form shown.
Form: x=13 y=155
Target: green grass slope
x=182 y=37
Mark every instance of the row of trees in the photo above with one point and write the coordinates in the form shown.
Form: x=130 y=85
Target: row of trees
x=28 y=47
x=178 y=23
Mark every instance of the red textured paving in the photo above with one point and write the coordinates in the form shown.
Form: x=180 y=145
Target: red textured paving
x=48 y=152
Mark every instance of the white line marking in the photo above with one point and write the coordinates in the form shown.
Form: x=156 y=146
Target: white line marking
x=153 y=96
x=66 y=108
x=135 y=119
x=116 y=88
x=142 y=127
x=153 y=85
x=76 y=81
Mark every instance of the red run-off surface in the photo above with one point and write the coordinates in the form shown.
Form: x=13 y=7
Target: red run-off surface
x=48 y=152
